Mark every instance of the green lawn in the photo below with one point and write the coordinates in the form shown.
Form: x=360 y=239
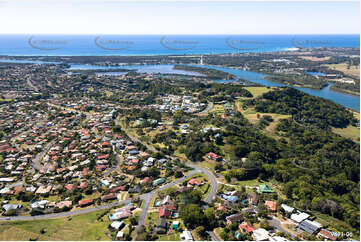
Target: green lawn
x=207 y=164
x=152 y=218
x=257 y=91
x=171 y=237
x=217 y=109
x=80 y=227
x=350 y=132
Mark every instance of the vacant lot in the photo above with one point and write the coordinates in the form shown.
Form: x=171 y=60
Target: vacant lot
x=350 y=132
x=217 y=109
x=257 y=91
x=81 y=227
x=314 y=58
x=353 y=71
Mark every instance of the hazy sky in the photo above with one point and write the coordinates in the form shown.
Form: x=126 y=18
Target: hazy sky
x=114 y=17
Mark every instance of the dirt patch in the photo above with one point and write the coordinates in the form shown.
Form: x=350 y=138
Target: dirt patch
x=313 y=58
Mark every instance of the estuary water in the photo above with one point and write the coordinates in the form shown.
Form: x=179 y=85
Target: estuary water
x=346 y=100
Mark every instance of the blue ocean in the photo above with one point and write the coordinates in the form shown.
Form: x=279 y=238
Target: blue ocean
x=107 y=45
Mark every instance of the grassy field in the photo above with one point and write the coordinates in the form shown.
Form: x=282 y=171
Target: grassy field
x=217 y=109
x=80 y=227
x=170 y=237
x=251 y=114
x=151 y=218
x=313 y=58
x=350 y=132
x=257 y=91
x=353 y=71
x=207 y=164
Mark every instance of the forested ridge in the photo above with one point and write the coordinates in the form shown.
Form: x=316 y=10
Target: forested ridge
x=317 y=170
x=306 y=109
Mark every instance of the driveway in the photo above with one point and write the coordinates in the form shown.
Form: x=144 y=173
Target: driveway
x=276 y=224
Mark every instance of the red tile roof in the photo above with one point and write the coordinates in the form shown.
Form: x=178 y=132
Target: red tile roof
x=83 y=185
x=110 y=196
x=70 y=186
x=213 y=155
x=146 y=179
x=327 y=234
x=117 y=189
x=164 y=212
x=271 y=205
x=246 y=227
x=194 y=182
x=105 y=144
x=85 y=202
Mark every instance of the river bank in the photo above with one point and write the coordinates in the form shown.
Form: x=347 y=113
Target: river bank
x=337 y=89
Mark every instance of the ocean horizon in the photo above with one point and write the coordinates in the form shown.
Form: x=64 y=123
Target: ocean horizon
x=129 y=45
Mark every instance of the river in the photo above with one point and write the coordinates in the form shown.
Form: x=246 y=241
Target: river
x=346 y=100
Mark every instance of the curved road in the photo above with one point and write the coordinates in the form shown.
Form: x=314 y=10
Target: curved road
x=147 y=197
x=197 y=169
x=208 y=108
x=144 y=196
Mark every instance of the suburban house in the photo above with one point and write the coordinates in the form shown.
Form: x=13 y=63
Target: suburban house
x=158 y=181
x=252 y=198
x=214 y=156
x=246 y=227
x=195 y=182
x=186 y=236
x=263 y=188
x=298 y=217
x=8 y=207
x=260 y=234
x=231 y=199
x=108 y=197
x=287 y=208
x=234 y=218
x=85 y=202
x=271 y=205
x=165 y=212
x=116 y=225
x=327 y=235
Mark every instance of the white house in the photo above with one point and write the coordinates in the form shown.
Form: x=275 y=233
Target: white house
x=186 y=236
x=150 y=161
x=261 y=234
x=287 y=208
x=117 y=225
x=120 y=235
x=299 y=216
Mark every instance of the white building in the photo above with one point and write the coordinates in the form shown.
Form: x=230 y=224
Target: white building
x=287 y=208
x=299 y=217
x=261 y=234
x=186 y=236
x=278 y=239
x=117 y=225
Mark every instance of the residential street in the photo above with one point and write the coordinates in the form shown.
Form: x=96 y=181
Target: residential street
x=276 y=224
x=147 y=197
x=208 y=108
